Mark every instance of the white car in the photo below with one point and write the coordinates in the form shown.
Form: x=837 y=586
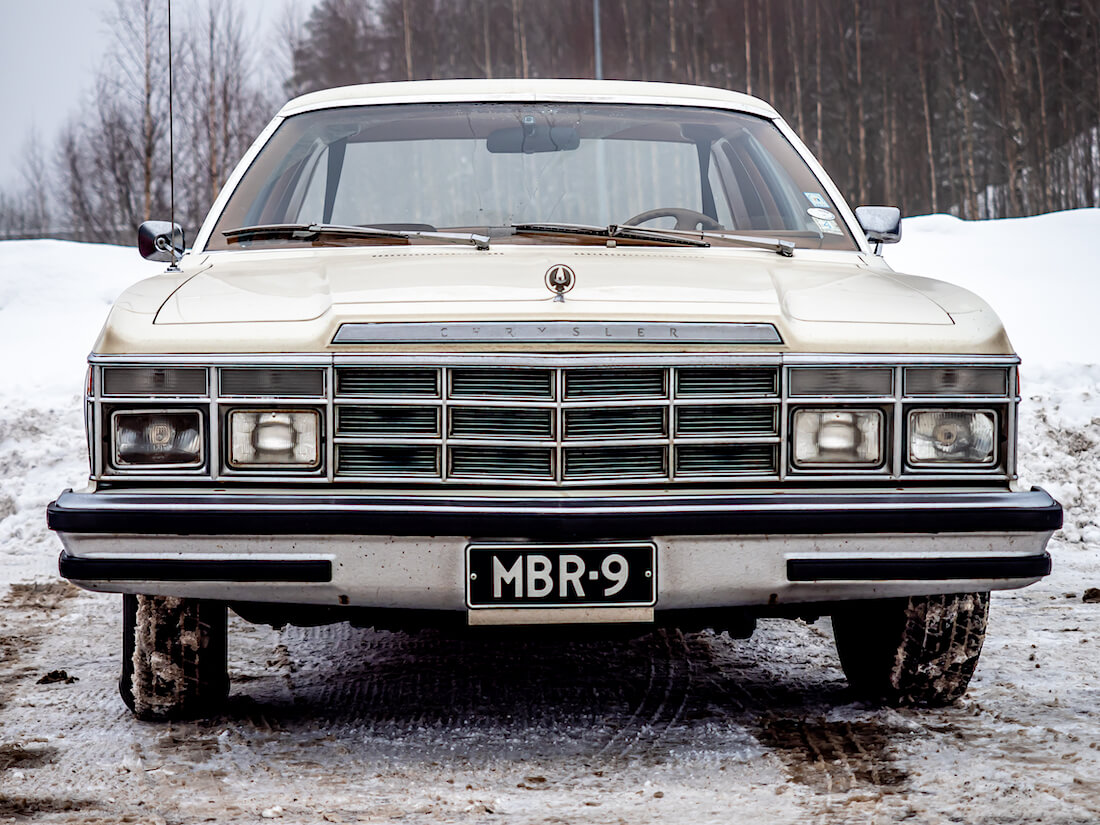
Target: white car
x=540 y=352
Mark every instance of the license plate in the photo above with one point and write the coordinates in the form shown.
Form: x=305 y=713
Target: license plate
x=617 y=574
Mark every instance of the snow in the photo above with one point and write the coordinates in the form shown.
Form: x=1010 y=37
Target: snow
x=54 y=297
x=1039 y=274
x=342 y=725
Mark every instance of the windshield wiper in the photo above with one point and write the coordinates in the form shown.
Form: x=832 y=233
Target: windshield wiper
x=612 y=232
x=312 y=231
x=779 y=247
x=776 y=245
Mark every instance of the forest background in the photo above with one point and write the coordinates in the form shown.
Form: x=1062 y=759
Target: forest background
x=977 y=108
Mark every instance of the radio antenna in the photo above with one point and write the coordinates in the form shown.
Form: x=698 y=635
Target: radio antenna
x=171 y=149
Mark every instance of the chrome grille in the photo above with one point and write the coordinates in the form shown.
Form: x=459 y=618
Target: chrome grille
x=387 y=420
x=615 y=422
x=502 y=383
x=498 y=462
x=502 y=422
x=557 y=425
x=733 y=459
x=735 y=381
x=615 y=462
x=547 y=419
x=359 y=460
x=726 y=420
x=621 y=383
x=384 y=382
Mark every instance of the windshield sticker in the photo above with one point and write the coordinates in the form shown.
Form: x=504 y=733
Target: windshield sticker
x=824 y=214
x=828 y=227
x=816 y=199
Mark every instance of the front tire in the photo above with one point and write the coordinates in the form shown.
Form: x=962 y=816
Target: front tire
x=173 y=657
x=917 y=651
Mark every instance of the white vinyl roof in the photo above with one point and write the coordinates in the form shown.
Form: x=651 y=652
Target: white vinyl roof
x=573 y=91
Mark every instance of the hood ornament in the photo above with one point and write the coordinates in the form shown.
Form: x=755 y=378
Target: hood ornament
x=560 y=279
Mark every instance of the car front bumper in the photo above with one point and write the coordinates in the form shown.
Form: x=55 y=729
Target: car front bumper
x=386 y=551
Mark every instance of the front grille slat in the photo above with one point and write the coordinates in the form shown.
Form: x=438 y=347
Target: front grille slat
x=614 y=383
x=731 y=381
x=509 y=462
x=359 y=460
x=613 y=462
x=615 y=422
x=503 y=382
x=720 y=420
x=377 y=381
x=502 y=422
x=739 y=459
x=387 y=420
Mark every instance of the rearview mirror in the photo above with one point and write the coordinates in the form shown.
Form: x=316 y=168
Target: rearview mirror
x=160 y=241
x=531 y=138
x=881 y=224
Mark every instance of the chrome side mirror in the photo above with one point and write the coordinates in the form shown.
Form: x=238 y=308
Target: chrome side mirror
x=161 y=241
x=881 y=224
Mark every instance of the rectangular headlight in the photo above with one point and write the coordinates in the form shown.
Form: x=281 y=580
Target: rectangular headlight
x=851 y=438
x=952 y=437
x=275 y=438
x=157 y=438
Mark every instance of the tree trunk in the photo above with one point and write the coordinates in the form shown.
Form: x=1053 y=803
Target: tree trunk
x=930 y=148
x=407 y=30
x=861 y=128
x=748 y=47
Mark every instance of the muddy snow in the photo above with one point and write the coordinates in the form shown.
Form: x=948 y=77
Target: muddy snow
x=336 y=724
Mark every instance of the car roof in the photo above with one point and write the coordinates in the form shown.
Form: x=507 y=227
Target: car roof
x=573 y=91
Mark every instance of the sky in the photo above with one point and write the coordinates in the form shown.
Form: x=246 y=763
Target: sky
x=49 y=53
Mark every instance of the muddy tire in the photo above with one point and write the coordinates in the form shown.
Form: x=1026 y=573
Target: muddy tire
x=173 y=657
x=917 y=651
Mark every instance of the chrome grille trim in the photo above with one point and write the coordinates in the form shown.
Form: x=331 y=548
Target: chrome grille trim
x=491 y=461
x=387 y=420
x=502 y=422
x=440 y=364
x=381 y=382
x=375 y=460
x=615 y=422
x=725 y=459
x=624 y=382
x=503 y=382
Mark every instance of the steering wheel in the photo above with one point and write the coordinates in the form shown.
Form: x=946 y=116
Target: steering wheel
x=685 y=218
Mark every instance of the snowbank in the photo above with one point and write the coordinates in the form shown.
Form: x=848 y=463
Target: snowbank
x=1039 y=274
x=54 y=297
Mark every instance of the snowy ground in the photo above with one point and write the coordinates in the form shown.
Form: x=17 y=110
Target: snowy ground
x=343 y=725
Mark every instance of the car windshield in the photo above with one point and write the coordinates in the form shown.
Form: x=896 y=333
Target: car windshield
x=488 y=167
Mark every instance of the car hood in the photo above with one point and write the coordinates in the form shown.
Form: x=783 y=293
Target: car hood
x=296 y=299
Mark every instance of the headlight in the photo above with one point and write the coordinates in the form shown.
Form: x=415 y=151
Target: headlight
x=162 y=438
x=849 y=437
x=952 y=437
x=275 y=438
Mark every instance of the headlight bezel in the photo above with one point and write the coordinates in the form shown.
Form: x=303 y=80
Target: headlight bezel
x=880 y=466
x=117 y=465
x=230 y=466
x=992 y=464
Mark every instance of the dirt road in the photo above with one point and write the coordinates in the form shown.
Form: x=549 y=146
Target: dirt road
x=343 y=725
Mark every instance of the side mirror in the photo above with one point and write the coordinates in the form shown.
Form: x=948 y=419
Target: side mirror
x=160 y=241
x=881 y=224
